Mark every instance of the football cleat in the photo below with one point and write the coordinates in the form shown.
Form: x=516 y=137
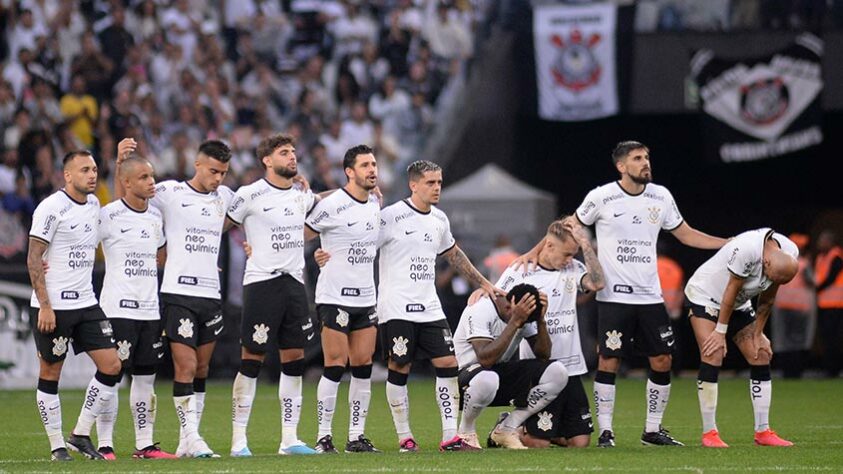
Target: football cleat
x=152 y=452
x=298 y=448
x=360 y=445
x=198 y=448
x=60 y=454
x=606 y=439
x=456 y=444
x=325 y=445
x=107 y=453
x=83 y=445
x=659 y=438
x=509 y=439
x=470 y=439
x=769 y=437
x=245 y=452
x=408 y=445
x=711 y=439
x=489 y=442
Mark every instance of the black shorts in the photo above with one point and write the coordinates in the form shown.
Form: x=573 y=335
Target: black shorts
x=139 y=343
x=738 y=321
x=191 y=320
x=565 y=417
x=646 y=327
x=517 y=378
x=346 y=318
x=87 y=328
x=405 y=341
x=275 y=310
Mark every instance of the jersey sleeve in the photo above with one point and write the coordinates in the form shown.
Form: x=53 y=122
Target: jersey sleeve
x=673 y=218
x=447 y=242
x=589 y=210
x=45 y=220
x=238 y=208
x=310 y=201
x=530 y=330
x=787 y=245
x=479 y=323
x=104 y=225
x=508 y=279
x=385 y=229
x=742 y=257
x=580 y=271
x=162 y=238
x=163 y=192
x=320 y=219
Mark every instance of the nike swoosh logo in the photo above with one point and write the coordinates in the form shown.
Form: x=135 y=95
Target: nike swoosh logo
x=351 y=223
x=216 y=333
x=123 y=231
x=186 y=205
x=74 y=226
x=310 y=337
x=267 y=209
x=670 y=344
x=408 y=232
x=619 y=214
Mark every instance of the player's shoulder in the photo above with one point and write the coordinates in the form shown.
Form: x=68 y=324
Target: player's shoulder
x=169 y=186
x=113 y=209
x=438 y=213
x=788 y=246
x=574 y=266
x=393 y=209
x=225 y=191
x=252 y=191
x=657 y=191
x=54 y=201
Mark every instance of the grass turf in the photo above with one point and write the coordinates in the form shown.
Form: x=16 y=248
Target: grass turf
x=808 y=412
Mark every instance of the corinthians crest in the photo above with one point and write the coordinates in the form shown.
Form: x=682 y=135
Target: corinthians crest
x=185 y=328
x=544 y=422
x=399 y=346
x=613 y=340
x=59 y=346
x=260 y=335
x=575 y=66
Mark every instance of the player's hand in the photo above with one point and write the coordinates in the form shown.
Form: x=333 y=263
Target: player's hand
x=321 y=257
x=45 y=266
x=476 y=296
x=713 y=343
x=126 y=147
x=491 y=290
x=762 y=344
x=522 y=310
x=529 y=261
x=543 y=301
x=46 y=320
x=301 y=181
x=247 y=248
x=572 y=225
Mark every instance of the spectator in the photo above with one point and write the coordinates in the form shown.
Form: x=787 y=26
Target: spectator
x=357 y=129
x=448 y=39
x=828 y=268
x=389 y=101
x=80 y=110
x=43 y=106
x=7 y=103
x=116 y=40
x=94 y=67
x=369 y=69
x=500 y=257
x=352 y=30
x=21 y=124
x=8 y=171
x=46 y=178
x=25 y=32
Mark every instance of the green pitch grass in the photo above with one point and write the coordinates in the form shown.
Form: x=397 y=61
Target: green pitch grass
x=807 y=412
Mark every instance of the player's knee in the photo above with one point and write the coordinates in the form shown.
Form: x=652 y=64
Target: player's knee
x=581 y=441
x=50 y=371
x=556 y=375
x=661 y=363
x=608 y=364
x=111 y=366
x=533 y=442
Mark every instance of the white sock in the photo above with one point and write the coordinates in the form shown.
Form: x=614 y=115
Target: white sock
x=186 y=414
x=242 y=397
x=49 y=409
x=552 y=382
x=604 y=405
x=326 y=403
x=480 y=393
x=359 y=395
x=289 y=394
x=707 y=393
x=200 y=407
x=448 y=398
x=399 y=405
x=97 y=399
x=105 y=422
x=143 y=404
x=761 y=392
x=657 y=397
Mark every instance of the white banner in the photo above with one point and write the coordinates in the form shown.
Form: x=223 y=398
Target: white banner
x=575 y=61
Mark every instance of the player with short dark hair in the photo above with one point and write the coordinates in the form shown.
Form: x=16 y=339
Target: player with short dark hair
x=347 y=222
x=628 y=215
x=488 y=335
x=64 y=307
x=720 y=295
x=131 y=233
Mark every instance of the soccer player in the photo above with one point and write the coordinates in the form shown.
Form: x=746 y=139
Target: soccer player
x=628 y=215
x=347 y=222
x=413 y=232
x=488 y=335
x=566 y=421
x=752 y=264
x=272 y=212
x=194 y=214
x=64 y=236
x=131 y=233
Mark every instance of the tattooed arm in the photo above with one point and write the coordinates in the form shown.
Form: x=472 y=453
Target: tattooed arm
x=35 y=264
x=458 y=260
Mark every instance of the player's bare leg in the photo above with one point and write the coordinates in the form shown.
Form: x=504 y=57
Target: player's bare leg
x=707 y=384
x=760 y=385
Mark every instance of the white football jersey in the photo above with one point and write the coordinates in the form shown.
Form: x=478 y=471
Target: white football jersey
x=348 y=229
x=273 y=219
x=130 y=242
x=627 y=228
x=410 y=241
x=70 y=229
x=561 y=288
x=193 y=223
x=742 y=256
x=481 y=321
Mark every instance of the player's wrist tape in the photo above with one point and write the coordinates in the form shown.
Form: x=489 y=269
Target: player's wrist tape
x=721 y=328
